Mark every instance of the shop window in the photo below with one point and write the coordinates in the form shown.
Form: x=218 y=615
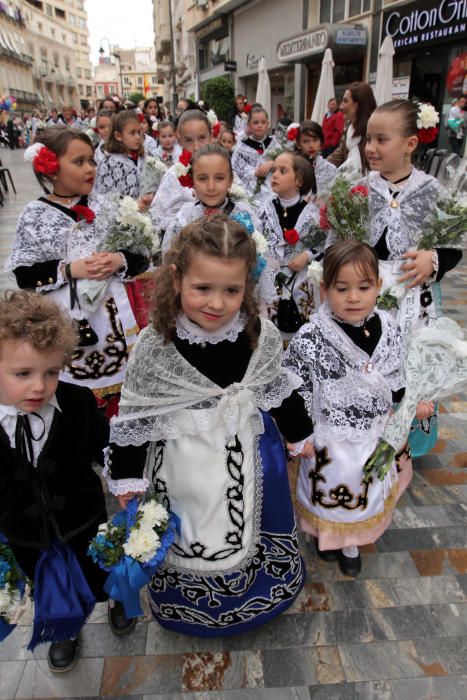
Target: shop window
x=339 y=10
x=213 y=52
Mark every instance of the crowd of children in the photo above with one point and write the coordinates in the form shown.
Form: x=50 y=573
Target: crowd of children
x=204 y=398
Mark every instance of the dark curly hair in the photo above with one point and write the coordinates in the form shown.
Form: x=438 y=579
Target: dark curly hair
x=35 y=319
x=219 y=237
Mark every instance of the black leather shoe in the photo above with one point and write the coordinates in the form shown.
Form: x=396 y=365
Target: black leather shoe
x=118 y=621
x=327 y=554
x=63 y=656
x=350 y=566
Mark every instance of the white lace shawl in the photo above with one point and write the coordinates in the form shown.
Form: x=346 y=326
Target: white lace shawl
x=344 y=399
x=150 y=146
x=45 y=233
x=116 y=172
x=160 y=385
x=186 y=329
x=245 y=160
x=404 y=223
x=325 y=173
x=191 y=211
x=169 y=199
x=176 y=153
x=273 y=233
x=352 y=144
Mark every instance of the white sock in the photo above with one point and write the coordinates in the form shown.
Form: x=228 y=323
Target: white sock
x=351 y=551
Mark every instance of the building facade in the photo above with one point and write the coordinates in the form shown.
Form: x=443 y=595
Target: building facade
x=138 y=72
x=15 y=60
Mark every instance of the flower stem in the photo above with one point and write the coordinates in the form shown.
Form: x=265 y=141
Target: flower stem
x=380 y=461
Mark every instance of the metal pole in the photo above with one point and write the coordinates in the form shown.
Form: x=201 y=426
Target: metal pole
x=172 y=60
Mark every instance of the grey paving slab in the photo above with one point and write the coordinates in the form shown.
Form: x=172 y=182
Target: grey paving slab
x=430 y=589
x=298 y=693
x=361 y=593
x=435 y=688
x=380 y=660
x=300 y=666
x=370 y=690
x=406 y=623
x=38 y=682
x=10 y=676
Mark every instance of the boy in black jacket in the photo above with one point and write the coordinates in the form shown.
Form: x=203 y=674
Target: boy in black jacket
x=50 y=434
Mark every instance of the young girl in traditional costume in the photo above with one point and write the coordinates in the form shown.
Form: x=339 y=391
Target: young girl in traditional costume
x=288 y=222
x=103 y=127
x=400 y=199
x=250 y=159
x=176 y=188
x=168 y=150
x=350 y=357
x=55 y=246
x=202 y=389
x=308 y=138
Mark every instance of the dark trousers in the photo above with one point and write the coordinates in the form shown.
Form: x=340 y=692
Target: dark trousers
x=456 y=145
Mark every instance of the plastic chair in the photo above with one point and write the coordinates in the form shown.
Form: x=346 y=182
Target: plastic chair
x=3 y=175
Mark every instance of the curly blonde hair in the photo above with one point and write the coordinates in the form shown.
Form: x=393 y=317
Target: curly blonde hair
x=35 y=319
x=219 y=237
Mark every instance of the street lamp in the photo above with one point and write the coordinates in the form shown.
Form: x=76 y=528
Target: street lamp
x=115 y=55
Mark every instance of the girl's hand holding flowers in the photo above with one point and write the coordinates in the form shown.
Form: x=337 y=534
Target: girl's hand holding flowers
x=263 y=169
x=103 y=265
x=297 y=263
x=125 y=498
x=419 y=267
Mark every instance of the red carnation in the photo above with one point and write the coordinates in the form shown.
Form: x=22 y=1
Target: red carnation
x=186 y=180
x=141 y=118
x=428 y=135
x=360 y=189
x=185 y=158
x=216 y=129
x=247 y=109
x=292 y=134
x=323 y=218
x=46 y=162
x=291 y=236
x=155 y=134
x=84 y=213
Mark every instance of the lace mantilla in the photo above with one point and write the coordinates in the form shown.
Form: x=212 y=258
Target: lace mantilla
x=325 y=174
x=187 y=330
x=403 y=223
x=169 y=199
x=347 y=393
x=272 y=230
x=245 y=160
x=160 y=386
x=45 y=233
x=118 y=173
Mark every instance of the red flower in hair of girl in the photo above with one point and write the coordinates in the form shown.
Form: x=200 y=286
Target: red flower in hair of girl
x=291 y=236
x=360 y=189
x=292 y=133
x=428 y=135
x=83 y=213
x=46 y=162
x=216 y=129
x=247 y=109
x=141 y=118
x=182 y=169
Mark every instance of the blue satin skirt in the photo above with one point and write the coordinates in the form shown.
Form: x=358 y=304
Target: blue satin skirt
x=234 y=602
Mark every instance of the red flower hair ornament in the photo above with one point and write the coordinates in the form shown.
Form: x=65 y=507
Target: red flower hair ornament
x=182 y=169
x=216 y=129
x=293 y=131
x=44 y=161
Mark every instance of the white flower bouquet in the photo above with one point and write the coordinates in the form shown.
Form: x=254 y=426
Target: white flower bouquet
x=436 y=367
x=151 y=175
x=13 y=590
x=130 y=230
x=131 y=547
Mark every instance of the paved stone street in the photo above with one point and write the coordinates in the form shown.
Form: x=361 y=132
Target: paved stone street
x=398 y=632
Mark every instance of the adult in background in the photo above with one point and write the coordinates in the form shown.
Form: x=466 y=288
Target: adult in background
x=456 y=124
x=357 y=105
x=237 y=119
x=333 y=128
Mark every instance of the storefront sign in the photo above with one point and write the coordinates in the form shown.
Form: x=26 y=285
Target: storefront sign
x=435 y=22
x=400 y=88
x=356 y=37
x=303 y=45
x=252 y=61
x=214 y=26
x=230 y=66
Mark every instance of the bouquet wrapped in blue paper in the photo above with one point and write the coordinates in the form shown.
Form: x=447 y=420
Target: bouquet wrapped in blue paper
x=131 y=547
x=12 y=590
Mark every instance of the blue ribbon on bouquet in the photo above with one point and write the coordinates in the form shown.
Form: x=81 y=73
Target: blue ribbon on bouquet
x=128 y=576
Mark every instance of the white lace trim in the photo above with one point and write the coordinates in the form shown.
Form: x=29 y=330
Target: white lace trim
x=165 y=397
x=187 y=330
x=285 y=203
x=119 y=487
